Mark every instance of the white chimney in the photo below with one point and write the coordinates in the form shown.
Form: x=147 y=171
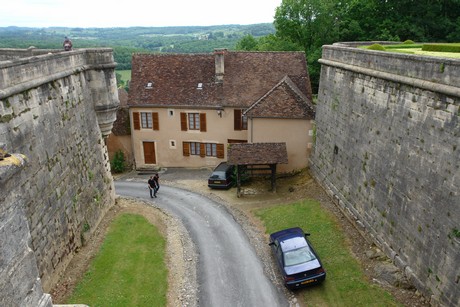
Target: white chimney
x=219 y=60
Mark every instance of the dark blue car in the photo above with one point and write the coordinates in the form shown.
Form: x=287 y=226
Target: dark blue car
x=221 y=177
x=297 y=260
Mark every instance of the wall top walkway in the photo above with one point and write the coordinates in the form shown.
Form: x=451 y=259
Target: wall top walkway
x=433 y=73
x=32 y=68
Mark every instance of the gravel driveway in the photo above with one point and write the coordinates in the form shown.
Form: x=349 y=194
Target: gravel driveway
x=229 y=272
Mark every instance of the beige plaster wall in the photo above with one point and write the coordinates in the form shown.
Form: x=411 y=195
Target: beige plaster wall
x=123 y=143
x=219 y=130
x=296 y=133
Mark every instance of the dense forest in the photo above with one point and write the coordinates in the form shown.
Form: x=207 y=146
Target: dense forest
x=126 y=41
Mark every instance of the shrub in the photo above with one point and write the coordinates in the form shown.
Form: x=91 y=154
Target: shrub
x=118 y=162
x=377 y=47
x=408 y=42
x=441 y=47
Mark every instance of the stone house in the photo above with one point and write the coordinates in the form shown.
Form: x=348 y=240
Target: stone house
x=186 y=108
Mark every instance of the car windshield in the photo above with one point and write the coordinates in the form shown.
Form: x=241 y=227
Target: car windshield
x=298 y=256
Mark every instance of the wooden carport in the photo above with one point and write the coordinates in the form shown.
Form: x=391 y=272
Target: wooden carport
x=258 y=159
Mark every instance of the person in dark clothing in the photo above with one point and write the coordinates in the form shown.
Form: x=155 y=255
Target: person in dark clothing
x=67 y=44
x=156 y=179
x=152 y=187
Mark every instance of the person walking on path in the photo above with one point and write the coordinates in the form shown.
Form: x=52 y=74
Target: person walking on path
x=152 y=187
x=156 y=179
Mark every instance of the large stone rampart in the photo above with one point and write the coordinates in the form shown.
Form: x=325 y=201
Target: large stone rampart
x=388 y=149
x=56 y=108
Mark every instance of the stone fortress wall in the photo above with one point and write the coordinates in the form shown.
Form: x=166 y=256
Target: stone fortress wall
x=56 y=108
x=388 y=149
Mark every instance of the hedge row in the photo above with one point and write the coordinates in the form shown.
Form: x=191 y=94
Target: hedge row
x=441 y=47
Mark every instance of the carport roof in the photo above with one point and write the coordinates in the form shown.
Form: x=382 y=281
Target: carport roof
x=257 y=153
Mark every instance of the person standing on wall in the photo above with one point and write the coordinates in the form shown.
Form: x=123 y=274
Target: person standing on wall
x=156 y=179
x=151 y=184
x=67 y=44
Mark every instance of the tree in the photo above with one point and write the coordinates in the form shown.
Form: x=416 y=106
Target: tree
x=310 y=24
x=273 y=42
x=247 y=43
x=314 y=23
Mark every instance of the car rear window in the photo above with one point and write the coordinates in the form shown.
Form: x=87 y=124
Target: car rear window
x=217 y=175
x=298 y=256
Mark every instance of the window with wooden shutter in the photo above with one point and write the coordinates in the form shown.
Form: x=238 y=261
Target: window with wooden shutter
x=203 y=122
x=146 y=120
x=220 y=151
x=195 y=148
x=211 y=149
x=237 y=119
x=183 y=121
x=136 y=121
x=155 y=120
x=202 y=150
x=186 y=148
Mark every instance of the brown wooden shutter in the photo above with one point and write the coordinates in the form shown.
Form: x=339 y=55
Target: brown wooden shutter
x=237 y=119
x=136 y=121
x=203 y=122
x=186 y=148
x=155 y=120
x=183 y=121
x=202 y=150
x=220 y=151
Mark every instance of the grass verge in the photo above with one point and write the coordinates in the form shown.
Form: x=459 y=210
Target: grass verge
x=345 y=283
x=129 y=269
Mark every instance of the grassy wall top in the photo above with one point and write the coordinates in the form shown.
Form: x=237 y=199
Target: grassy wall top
x=432 y=49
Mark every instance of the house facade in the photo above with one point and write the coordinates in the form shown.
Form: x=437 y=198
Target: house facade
x=186 y=108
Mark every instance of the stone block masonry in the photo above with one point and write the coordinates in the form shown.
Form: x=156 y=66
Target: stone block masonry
x=388 y=149
x=56 y=108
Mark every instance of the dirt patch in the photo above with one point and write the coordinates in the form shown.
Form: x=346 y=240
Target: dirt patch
x=182 y=272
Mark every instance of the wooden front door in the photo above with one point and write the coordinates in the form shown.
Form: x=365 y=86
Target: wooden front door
x=149 y=153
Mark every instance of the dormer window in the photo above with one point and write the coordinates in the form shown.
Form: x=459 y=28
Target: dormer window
x=199 y=86
x=149 y=85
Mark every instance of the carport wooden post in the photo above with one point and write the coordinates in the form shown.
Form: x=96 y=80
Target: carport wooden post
x=238 y=182
x=273 y=177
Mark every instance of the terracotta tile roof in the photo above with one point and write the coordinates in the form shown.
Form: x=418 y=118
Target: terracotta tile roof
x=285 y=100
x=257 y=153
x=247 y=77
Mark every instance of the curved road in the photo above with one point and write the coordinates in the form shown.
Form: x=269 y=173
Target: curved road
x=229 y=271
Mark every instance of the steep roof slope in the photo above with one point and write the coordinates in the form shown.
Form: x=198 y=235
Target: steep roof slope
x=285 y=100
x=190 y=79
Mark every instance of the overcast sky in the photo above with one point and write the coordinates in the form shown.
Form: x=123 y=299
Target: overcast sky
x=129 y=13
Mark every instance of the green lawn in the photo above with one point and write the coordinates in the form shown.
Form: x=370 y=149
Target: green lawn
x=419 y=51
x=345 y=283
x=129 y=269
x=125 y=75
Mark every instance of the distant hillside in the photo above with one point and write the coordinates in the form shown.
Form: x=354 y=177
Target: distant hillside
x=125 y=41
